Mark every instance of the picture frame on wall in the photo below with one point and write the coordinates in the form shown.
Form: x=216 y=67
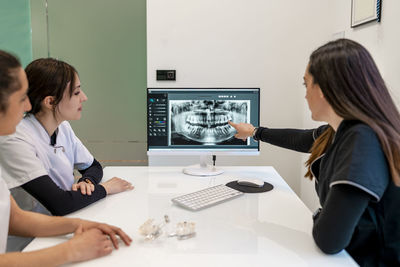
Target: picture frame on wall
x=364 y=11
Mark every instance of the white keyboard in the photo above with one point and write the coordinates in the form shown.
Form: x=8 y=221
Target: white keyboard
x=206 y=197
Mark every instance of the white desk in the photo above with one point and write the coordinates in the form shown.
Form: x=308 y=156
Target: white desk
x=267 y=229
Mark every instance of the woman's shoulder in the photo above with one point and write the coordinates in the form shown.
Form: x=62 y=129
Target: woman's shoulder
x=65 y=126
x=23 y=133
x=28 y=128
x=359 y=143
x=66 y=133
x=18 y=141
x=359 y=139
x=363 y=162
x=24 y=126
x=66 y=129
x=358 y=130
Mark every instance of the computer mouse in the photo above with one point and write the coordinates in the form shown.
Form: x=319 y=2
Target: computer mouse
x=251 y=182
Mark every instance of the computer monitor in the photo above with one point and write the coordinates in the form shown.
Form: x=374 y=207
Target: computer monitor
x=194 y=121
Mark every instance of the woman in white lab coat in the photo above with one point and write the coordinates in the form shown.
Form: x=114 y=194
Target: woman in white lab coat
x=43 y=153
x=91 y=239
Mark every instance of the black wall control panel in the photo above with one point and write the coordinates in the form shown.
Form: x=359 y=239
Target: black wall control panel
x=166 y=75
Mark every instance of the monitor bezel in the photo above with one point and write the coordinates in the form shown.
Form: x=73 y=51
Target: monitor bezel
x=200 y=151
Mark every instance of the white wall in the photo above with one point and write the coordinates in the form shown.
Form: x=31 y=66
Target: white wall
x=264 y=44
x=381 y=39
x=252 y=43
x=383 y=42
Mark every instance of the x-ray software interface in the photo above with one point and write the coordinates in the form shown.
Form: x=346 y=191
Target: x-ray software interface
x=197 y=118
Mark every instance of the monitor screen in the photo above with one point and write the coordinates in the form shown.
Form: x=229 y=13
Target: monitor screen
x=196 y=119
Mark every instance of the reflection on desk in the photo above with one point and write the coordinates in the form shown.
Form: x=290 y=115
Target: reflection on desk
x=272 y=228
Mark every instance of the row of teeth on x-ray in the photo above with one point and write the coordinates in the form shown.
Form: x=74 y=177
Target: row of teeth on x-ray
x=230 y=106
x=208 y=120
x=197 y=131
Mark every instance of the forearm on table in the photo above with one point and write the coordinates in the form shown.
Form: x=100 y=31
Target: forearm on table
x=59 y=201
x=48 y=257
x=39 y=224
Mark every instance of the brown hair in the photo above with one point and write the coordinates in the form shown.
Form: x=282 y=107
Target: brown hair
x=9 y=82
x=353 y=86
x=48 y=77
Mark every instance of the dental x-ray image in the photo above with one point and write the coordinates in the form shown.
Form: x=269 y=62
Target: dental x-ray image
x=205 y=122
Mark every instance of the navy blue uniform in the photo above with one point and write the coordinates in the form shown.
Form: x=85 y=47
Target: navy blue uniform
x=360 y=204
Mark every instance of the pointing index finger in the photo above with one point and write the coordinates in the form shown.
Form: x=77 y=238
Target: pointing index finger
x=232 y=124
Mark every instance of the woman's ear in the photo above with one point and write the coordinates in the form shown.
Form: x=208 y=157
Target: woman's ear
x=48 y=102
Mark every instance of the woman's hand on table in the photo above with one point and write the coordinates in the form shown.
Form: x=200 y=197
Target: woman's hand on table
x=85 y=188
x=116 y=185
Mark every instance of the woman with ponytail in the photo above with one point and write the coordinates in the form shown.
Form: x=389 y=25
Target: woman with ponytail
x=355 y=158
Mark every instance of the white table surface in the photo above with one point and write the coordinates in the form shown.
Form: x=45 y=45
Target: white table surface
x=266 y=229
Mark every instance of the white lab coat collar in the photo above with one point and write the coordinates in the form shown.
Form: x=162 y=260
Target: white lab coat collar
x=39 y=128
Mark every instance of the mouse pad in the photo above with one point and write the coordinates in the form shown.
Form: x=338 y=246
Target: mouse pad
x=247 y=189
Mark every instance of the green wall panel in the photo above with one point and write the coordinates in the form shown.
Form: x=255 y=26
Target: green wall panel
x=39 y=29
x=15 y=29
x=106 y=42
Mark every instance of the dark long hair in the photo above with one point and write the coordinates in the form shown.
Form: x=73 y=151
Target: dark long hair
x=353 y=86
x=48 y=77
x=9 y=82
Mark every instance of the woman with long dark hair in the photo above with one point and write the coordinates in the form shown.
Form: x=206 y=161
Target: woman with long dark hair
x=355 y=159
x=91 y=239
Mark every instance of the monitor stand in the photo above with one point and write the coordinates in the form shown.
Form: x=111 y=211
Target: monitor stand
x=203 y=169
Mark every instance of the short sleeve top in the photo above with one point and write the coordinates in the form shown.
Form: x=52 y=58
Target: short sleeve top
x=4 y=214
x=355 y=158
x=28 y=154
